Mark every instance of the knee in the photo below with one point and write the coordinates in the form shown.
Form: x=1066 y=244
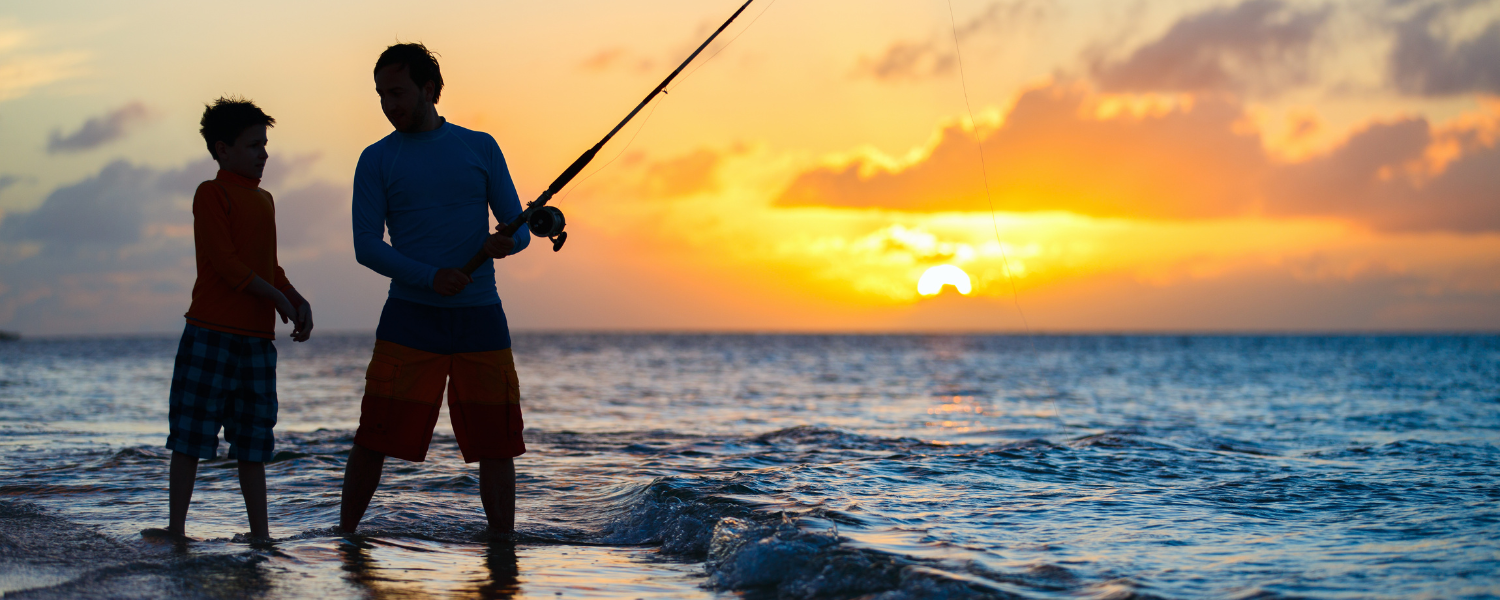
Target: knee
x=364 y=452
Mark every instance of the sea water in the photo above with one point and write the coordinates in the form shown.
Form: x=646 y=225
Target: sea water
x=802 y=466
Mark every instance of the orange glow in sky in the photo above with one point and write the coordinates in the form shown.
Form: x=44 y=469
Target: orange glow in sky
x=1126 y=168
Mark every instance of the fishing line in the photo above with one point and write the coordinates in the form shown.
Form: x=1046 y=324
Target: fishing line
x=617 y=154
x=984 y=169
x=548 y=221
x=679 y=84
x=725 y=46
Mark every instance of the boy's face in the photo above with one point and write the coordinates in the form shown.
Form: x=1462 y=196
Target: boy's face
x=247 y=157
x=403 y=103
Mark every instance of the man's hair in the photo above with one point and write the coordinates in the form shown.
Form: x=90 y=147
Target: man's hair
x=421 y=64
x=227 y=118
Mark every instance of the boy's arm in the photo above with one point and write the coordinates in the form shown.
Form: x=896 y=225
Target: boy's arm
x=368 y=214
x=505 y=203
x=260 y=288
x=302 y=323
x=211 y=236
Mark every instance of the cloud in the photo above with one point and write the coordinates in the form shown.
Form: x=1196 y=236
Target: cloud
x=692 y=173
x=98 y=131
x=22 y=72
x=1252 y=46
x=1387 y=175
x=1181 y=164
x=1425 y=63
x=114 y=251
x=1063 y=148
x=315 y=214
x=8 y=180
x=109 y=209
x=935 y=56
x=612 y=58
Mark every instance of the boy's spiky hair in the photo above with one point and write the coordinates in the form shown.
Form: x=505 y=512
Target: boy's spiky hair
x=227 y=117
x=420 y=63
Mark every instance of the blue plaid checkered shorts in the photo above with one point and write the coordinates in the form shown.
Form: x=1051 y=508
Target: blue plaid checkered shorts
x=223 y=380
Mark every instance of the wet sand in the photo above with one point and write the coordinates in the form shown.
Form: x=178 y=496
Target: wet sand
x=43 y=555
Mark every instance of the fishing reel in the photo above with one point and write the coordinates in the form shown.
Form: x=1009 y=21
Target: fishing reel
x=548 y=222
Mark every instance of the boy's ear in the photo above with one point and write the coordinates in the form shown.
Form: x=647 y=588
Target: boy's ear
x=219 y=149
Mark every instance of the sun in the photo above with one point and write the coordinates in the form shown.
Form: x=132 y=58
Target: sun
x=934 y=279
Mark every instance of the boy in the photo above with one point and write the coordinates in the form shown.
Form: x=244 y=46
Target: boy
x=225 y=373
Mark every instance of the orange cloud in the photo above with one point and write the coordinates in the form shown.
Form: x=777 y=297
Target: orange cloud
x=682 y=176
x=1067 y=148
x=1053 y=154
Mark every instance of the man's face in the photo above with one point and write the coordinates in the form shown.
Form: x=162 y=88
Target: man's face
x=404 y=104
x=247 y=156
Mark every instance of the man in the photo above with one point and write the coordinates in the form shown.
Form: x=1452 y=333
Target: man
x=430 y=183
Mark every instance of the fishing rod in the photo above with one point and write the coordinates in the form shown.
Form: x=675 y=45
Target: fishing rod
x=547 y=221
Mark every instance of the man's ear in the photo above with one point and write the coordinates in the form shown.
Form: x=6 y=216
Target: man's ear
x=429 y=90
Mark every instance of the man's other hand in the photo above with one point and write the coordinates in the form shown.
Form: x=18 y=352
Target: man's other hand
x=450 y=281
x=499 y=245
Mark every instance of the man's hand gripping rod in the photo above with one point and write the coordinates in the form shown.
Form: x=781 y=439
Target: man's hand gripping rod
x=535 y=207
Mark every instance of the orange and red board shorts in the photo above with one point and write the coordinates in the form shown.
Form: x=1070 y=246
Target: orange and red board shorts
x=419 y=351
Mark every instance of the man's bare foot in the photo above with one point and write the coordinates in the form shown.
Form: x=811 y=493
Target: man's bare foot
x=490 y=535
x=153 y=533
x=253 y=540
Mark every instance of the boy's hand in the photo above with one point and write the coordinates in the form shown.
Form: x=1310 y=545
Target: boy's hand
x=450 y=281
x=499 y=245
x=303 y=323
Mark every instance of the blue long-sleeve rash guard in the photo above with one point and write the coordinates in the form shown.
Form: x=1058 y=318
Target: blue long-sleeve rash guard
x=431 y=190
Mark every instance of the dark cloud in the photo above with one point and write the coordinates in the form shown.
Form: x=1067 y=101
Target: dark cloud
x=98 y=131
x=8 y=180
x=313 y=215
x=935 y=56
x=114 y=251
x=1377 y=177
x=1053 y=154
x=1258 y=44
x=110 y=208
x=1426 y=63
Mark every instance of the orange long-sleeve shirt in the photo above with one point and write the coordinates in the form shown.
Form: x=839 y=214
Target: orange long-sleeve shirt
x=234 y=237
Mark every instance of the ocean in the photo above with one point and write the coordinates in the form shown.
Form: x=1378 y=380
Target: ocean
x=801 y=466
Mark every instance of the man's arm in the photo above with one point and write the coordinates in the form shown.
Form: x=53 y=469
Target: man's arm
x=505 y=204
x=370 y=248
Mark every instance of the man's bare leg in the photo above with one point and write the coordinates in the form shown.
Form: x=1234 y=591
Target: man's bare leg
x=361 y=478
x=497 y=490
x=181 y=477
x=253 y=488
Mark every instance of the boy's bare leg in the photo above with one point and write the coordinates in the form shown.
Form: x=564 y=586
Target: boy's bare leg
x=184 y=472
x=497 y=490
x=361 y=478
x=253 y=488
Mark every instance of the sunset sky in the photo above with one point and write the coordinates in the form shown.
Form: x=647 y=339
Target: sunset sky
x=1259 y=165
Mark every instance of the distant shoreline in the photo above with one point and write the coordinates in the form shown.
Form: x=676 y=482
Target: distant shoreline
x=12 y=336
